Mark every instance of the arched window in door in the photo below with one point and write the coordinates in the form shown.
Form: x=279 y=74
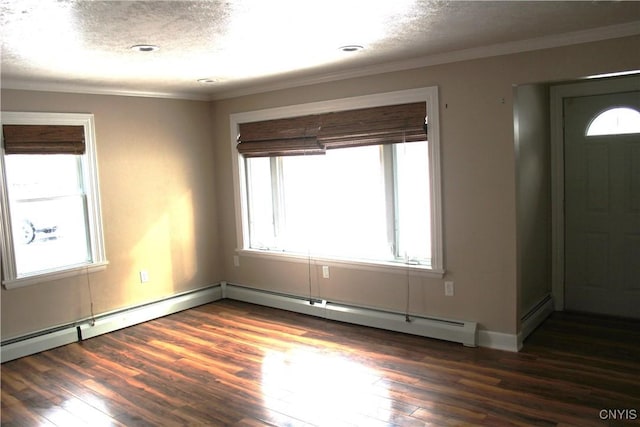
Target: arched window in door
x=615 y=121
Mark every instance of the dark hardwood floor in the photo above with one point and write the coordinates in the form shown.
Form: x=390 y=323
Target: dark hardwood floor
x=231 y=363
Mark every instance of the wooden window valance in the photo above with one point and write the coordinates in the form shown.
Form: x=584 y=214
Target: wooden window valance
x=43 y=139
x=313 y=134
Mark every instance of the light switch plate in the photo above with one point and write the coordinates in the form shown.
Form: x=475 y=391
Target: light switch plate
x=144 y=276
x=325 y=271
x=448 y=288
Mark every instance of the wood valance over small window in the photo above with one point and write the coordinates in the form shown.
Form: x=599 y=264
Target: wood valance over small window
x=43 y=139
x=313 y=134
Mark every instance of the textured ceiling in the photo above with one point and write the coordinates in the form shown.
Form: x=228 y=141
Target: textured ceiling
x=251 y=45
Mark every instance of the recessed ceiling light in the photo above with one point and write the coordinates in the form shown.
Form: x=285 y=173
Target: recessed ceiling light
x=144 y=48
x=208 y=81
x=351 y=48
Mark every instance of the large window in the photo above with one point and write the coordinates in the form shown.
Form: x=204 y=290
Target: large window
x=372 y=200
x=369 y=203
x=51 y=223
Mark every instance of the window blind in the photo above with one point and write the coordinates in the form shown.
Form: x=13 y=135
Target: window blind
x=43 y=139
x=280 y=137
x=313 y=134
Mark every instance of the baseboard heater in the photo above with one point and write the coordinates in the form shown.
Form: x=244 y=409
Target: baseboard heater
x=108 y=322
x=40 y=341
x=463 y=332
x=445 y=329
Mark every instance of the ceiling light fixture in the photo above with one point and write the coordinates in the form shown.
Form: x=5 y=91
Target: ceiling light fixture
x=208 y=81
x=351 y=48
x=145 y=48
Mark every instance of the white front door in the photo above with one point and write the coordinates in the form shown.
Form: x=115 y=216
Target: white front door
x=602 y=204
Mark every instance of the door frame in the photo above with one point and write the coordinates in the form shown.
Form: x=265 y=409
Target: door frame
x=557 y=95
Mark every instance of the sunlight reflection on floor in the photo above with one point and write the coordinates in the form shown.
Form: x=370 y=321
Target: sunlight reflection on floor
x=322 y=388
x=77 y=412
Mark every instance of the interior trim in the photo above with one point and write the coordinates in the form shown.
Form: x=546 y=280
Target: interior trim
x=545 y=42
x=534 y=318
x=104 y=323
x=557 y=95
x=461 y=331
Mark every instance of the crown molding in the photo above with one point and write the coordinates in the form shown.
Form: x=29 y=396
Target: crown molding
x=17 y=84
x=545 y=42
x=520 y=46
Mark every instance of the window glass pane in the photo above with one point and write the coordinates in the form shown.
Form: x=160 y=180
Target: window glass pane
x=49 y=234
x=260 y=201
x=615 y=121
x=339 y=205
x=335 y=204
x=34 y=176
x=48 y=212
x=413 y=208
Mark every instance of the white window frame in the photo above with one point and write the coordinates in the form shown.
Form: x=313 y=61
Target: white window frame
x=98 y=260
x=429 y=95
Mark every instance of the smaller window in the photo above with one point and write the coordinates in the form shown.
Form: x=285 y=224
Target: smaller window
x=615 y=121
x=50 y=219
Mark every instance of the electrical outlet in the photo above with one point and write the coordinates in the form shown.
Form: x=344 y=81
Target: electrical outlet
x=236 y=261
x=325 y=271
x=448 y=288
x=144 y=276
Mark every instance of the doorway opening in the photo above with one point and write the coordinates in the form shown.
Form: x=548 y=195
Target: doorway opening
x=595 y=159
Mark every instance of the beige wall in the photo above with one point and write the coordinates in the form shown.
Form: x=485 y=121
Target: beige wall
x=166 y=185
x=533 y=194
x=478 y=175
x=157 y=184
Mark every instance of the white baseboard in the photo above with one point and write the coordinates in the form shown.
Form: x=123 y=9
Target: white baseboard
x=461 y=331
x=534 y=318
x=104 y=323
x=498 y=340
x=274 y=300
x=38 y=343
x=464 y=332
x=530 y=321
x=123 y=319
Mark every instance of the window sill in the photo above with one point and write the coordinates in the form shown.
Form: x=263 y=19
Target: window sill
x=54 y=275
x=354 y=264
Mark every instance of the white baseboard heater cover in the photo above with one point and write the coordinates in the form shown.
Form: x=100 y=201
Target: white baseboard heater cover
x=464 y=332
x=109 y=322
x=123 y=319
x=32 y=344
